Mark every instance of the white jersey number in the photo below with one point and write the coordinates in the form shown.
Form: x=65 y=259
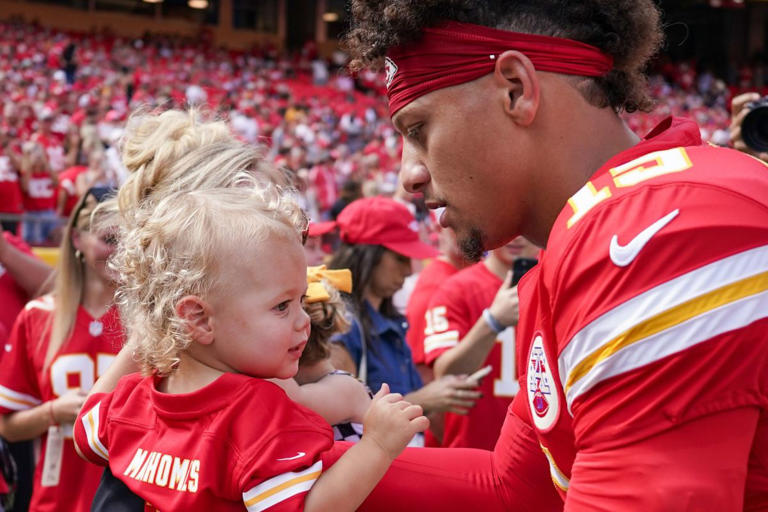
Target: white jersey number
x=507 y=385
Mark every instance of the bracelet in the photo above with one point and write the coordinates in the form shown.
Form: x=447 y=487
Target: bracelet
x=492 y=322
x=50 y=413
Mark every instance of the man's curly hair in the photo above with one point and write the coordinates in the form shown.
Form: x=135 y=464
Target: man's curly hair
x=628 y=30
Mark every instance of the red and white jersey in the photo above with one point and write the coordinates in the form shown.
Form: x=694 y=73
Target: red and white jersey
x=453 y=310
x=40 y=194
x=429 y=281
x=12 y=296
x=10 y=188
x=237 y=443
x=650 y=305
x=67 y=179
x=24 y=384
x=54 y=149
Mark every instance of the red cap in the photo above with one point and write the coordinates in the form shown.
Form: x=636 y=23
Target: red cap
x=383 y=221
x=320 y=228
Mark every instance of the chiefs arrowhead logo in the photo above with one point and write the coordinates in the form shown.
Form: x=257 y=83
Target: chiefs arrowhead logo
x=391 y=69
x=542 y=388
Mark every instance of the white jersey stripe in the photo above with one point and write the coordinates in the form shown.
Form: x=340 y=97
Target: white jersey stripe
x=45 y=303
x=673 y=340
x=281 y=487
x=703 y=291
x=657 y=300
x=16 y=401
x=91 y=424
x=446 y=339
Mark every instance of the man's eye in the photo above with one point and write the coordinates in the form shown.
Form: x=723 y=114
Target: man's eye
x=413 y=132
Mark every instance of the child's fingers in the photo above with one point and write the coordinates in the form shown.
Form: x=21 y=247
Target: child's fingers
x=413 y=411
x=383 y=391
x=392 y=398
x=420 y=423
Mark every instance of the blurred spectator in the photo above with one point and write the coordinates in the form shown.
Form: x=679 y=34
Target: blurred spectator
x=11 y=200
x=350 y=191
x=38 y=182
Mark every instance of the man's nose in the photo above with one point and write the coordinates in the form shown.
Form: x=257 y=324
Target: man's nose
x=413 y=173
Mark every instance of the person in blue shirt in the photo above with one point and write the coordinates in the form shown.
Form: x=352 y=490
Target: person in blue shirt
x=379 y=237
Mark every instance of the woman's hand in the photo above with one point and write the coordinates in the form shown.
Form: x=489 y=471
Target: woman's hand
x=451 y=393
x=66 y=408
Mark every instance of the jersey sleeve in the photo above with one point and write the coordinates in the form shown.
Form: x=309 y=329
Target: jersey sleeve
x=278 y=474
x=19 y=389
x=90 y=429
x=661 y=319
x=447 y=321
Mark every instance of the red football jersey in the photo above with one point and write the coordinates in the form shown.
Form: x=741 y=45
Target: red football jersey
x=453 y=310
x=430 y=279
x=40 y=195
x=67 y=180
x=24 y=385
x=12 y=296
x=237 y=443
x=650 y=307
x=10 y=188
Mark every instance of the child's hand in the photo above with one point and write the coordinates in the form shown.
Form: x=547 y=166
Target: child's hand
x=391 y=422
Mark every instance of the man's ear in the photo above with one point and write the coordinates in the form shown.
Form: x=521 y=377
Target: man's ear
x=516 y=74
x=196 y=314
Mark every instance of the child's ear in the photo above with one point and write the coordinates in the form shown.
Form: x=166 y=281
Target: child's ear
x=197 y=315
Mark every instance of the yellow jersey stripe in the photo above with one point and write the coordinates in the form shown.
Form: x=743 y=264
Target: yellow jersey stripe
x=25 y=403
x=290 y=483
x=670 y=318
x=91 y=425
x=561 y=481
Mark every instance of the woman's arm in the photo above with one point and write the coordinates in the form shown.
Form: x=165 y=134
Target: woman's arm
x=29 y=272
x=337 y=398
x=32 y=423
x=122 y=365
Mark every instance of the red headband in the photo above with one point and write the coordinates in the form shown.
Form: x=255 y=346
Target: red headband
x=455 y=53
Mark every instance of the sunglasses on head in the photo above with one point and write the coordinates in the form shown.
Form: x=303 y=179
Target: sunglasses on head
x=99 y=194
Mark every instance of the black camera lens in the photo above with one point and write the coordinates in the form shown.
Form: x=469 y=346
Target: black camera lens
x=754 y=129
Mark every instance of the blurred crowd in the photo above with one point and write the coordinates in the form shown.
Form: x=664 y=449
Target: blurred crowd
x=66 y=98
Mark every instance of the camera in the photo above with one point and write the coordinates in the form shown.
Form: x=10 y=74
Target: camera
x=754 y=128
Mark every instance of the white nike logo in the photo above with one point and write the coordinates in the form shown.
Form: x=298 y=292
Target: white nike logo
x=623 y=255
x=297 y=456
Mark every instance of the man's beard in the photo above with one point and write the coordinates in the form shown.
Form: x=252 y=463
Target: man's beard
x=472 y=246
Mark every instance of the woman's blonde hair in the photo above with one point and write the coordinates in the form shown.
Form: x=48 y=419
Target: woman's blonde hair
x=87 y=216
x=176 y=249
x=327 y=318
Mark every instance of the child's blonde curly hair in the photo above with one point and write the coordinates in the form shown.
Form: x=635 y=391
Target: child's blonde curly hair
x=177 y=248
x=183 y=150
